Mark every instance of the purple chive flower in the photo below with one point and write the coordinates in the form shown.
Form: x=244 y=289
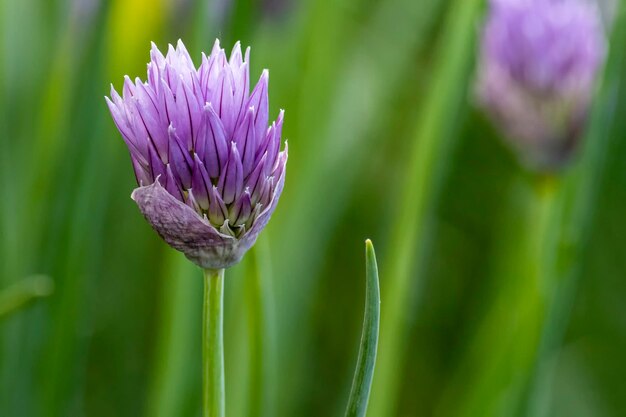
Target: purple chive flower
x=210 y=170
x=537 y=68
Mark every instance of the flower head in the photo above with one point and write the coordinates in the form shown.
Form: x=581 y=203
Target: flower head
x=537 y=68
x=210 y=170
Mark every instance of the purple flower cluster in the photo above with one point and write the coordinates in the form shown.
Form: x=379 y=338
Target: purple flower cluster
x=537 y=69
x=210 y=170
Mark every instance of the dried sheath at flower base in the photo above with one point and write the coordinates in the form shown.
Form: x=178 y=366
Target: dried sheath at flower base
x=537 y=68
x=210 y=170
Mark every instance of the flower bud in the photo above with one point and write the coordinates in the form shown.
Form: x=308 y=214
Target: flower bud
x=537 y=68
x=210 y=171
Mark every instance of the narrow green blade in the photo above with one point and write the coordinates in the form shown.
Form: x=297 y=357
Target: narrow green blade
x=362 y=382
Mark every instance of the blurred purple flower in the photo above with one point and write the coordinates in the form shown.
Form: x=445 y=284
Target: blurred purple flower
x=209 y=169
x=537 y=68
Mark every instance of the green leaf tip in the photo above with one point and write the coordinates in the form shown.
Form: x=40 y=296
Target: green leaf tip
x=364 y=373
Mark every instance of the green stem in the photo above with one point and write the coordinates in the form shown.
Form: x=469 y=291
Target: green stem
x=503 y=347
x=213 y=344
x=261 y=333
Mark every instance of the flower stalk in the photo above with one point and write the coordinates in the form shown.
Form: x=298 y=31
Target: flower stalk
x=213 y=396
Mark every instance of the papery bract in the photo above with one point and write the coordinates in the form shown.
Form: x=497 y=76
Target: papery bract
x=210 y=170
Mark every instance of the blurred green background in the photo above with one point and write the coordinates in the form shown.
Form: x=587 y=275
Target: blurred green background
x=502 y=292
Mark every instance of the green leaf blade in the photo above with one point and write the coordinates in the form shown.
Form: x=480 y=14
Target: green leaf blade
x=364 y=373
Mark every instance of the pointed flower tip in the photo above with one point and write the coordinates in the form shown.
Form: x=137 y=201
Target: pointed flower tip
x=110 y=104
x=280 y=118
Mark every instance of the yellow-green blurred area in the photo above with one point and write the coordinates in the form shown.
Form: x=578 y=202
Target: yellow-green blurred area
x=378 y=102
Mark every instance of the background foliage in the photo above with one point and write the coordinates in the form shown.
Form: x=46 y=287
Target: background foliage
x=380 y=120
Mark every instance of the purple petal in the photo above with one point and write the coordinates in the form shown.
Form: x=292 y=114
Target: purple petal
x=241 y=78
x=235 y=56
x=279 y=123
x=137 y=148
x=200 y=183
x=154 y=77
x=216 y=48
x=203 y=76
x=166 y=103
x=181 y=119
x=178 y=61
x=156 y=56
x=230 y=183
x=260 y=101
x=169 y=76
x=194 y=112
x=155 y=67
x=211 y=143
x=210 y=70
x=242 y=208
x=255 y=180
x=142 y=175
x=273 y=144
x=256 y=211
x=190 y=200
x=128 y=90
x=118 y=111
x=149 y=114
x=157 y=166
x=273 y=150
x=180 y=159
x=140 y=133
x=222 y=101
x=245 y=139
x=248 y=239
x=267 y=188
x=281 y=163
x=217 y=209
x=183 y=55
x=171 y=185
